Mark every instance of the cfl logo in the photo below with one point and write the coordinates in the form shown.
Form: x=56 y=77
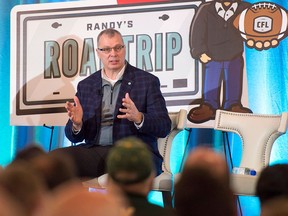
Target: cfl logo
x=263 y=24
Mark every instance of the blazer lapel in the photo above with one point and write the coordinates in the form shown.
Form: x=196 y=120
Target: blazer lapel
x=126 y=86
x=96 y=96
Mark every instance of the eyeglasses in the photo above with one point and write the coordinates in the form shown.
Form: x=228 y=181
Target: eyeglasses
x=109 y=49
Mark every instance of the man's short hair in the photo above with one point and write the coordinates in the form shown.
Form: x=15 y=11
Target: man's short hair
x=110 y=32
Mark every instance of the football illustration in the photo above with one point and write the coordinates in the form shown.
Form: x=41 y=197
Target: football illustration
x=262 y=22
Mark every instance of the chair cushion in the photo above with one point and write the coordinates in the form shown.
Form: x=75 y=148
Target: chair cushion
x=163 y=182
x=92 y=183
x=103 y=180
x=244 y=184
x=99 y=183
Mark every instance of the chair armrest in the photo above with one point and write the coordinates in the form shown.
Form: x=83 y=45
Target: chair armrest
x=182 y=119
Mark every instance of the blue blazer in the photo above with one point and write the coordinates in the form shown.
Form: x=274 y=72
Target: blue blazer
x=143 y=89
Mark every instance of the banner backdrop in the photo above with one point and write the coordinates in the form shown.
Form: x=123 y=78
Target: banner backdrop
x=195 y=48
x=53 y=48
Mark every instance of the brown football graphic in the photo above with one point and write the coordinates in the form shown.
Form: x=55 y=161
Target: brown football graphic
x=262 y=22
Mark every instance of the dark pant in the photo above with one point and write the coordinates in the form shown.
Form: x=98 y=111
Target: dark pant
x=89 y=161
x=231 y=72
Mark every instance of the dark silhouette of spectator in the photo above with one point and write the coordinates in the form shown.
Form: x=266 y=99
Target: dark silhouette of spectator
x=29 y=152
x=8 y=206
x=55 y=169
x=203 y=188
x=207 y=158
x=24 y=186
x=200 y=193
x=73 y=200
x=131 y=172
x=272 y=182
x=277 y=206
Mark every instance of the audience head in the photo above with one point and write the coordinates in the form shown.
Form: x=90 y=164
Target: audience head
x=55 y=169
x=29 y=152
x=24 y=186
x=130 y=163
x=277 y=206
x=272 y=182
x=207 y=158
x=8 y=205
x=73 y=200
x=203 y=187
x=201 y=192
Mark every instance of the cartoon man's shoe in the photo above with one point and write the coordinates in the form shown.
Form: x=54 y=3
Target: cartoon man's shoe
x=201 y=114
x=239 y=108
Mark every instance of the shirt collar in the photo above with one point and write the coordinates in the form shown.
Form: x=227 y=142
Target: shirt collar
x=118 y=77
x=226 y=14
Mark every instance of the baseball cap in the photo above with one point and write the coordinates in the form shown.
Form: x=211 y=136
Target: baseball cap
x=129 y=161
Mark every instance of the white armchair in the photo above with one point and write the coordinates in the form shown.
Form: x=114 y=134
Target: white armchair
x=258 y=133
x=165 y=181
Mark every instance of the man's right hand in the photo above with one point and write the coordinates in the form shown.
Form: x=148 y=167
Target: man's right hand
x=204 y=58
x=75 y=113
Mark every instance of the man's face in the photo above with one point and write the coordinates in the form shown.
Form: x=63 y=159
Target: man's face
x=114 y=60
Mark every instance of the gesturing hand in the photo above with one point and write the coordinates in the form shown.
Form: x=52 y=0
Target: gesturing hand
x=75 y=113
x=130 y=110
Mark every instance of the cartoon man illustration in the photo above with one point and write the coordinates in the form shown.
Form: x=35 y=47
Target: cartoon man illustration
x=219 y=46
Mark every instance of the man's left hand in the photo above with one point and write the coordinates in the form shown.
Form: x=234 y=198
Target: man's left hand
x=130 y=111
